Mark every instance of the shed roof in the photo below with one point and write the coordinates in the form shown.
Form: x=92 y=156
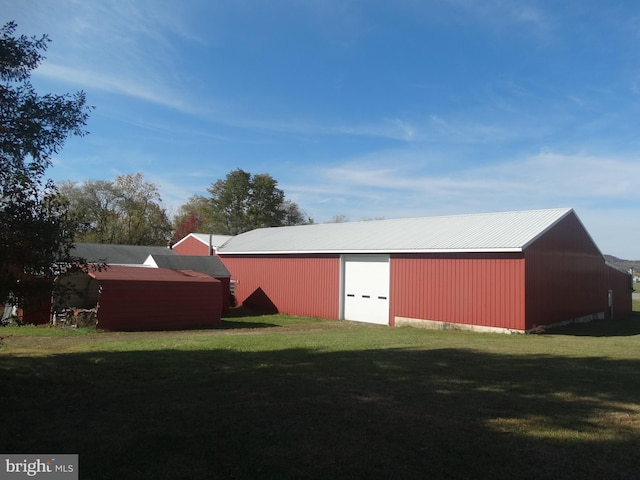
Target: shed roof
x=145 y=274
x=211 y=266
x=485 y=232
x=118 y=254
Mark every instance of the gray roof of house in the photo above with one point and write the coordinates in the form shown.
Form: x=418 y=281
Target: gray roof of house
x=211 y=266
x=118 y=254
x=486 y=232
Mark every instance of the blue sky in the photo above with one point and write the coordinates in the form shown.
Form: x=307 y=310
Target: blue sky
x=367 y=109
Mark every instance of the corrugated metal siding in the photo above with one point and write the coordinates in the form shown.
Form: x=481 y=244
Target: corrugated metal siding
x=156 y=299
x=38 y=298
x=564 y=275
x=191 y=246
x=560 y=276
x=38 y=313
x=297 y=285
x=225 y=284
x=470 y=289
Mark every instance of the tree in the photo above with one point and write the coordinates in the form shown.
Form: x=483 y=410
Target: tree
x=243 y=202
x=293 y=215
x=193 y=216
x=92 y=205
x=230 y=203
x=338 y=219
x=36 y=233
x=189 y=224
x=143 y=220
x=127 y=211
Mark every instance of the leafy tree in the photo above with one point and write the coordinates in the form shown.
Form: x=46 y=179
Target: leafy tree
x=293 y=215
x=143 y=220
x=36 y=234
x=198 y=208
x=93 y=206
x=188 y=224
x=266 y=202
x=243 y=202
x=127 y=210
x=230 y=201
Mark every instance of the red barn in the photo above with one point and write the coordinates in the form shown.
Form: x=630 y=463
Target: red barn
x=203 y=244
x=508 y=271
x=141 y=298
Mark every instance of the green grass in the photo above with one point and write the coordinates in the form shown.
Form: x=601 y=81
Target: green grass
x=285 y=397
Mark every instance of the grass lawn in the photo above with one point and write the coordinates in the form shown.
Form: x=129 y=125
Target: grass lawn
x=284 y=397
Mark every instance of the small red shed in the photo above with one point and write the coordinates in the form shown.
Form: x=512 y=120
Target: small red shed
x=141 y=298
x=507 y=271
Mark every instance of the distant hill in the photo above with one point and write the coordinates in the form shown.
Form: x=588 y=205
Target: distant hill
x=624 y=264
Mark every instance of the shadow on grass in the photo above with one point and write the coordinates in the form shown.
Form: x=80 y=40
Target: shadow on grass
x=231 y=324
x=625 y=327
x=237 y=317
x=244 y=311
x=297 y=413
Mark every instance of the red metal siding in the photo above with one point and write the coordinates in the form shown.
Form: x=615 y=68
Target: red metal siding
x=38 y=313
x=37 y=308
x=297 y=285
x=620 y=283
x=157 y=299
x=459 y=288
x=192 y=246
x=564 y=275
x=225 y=283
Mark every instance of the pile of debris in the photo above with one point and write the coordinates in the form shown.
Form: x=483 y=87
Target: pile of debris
x=76 y=318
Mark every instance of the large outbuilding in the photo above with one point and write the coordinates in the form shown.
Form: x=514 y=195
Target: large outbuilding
x=510 y=271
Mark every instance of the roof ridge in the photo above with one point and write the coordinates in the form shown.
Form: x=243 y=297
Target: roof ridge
x=508 y=231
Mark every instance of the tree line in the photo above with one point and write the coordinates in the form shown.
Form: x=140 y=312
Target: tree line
x=129 y=210
x=40 y=221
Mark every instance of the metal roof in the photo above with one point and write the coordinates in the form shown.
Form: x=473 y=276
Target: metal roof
x=211 y=266
x=117 y=254
x=485 y=232
x=141 y=273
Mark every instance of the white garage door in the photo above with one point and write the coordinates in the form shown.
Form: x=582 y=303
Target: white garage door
x=366 y=288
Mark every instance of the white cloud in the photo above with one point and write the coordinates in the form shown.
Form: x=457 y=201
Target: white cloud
x=544 y=180
x=396 y=184
x=120 y=47
x=113 y=83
